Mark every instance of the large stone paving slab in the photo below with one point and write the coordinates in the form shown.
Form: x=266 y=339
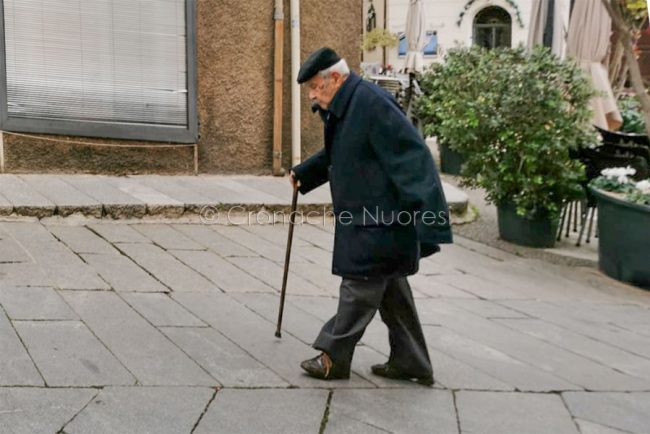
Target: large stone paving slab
x=161 y=310
x=223 y=359
x=561 y=363
x=61 y=265
x=601 y=331
x=493 y=412
x=496 y=363
x=122 y=274
x=157 y=410
x=68 y=200
x=256 y=336
x=16 y=367
x=169 y=270
x=31 y=410
x=422 y=410
x=67 y=354
x=628 y=412
x=24 y=199
x=606 y=354
x=81 y=240
x=167 y=237
x=118 y=233
x=222 y=273
x=204 y=235
x=116 y=203
x=6 y=207
x=157 y=202
x=271 y=273
x=141 y=348
x=22 y=303
x=265 y=411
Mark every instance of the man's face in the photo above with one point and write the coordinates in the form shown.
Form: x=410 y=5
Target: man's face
x=322 y=90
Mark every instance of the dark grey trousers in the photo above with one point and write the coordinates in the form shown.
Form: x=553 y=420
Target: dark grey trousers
x=358 y=303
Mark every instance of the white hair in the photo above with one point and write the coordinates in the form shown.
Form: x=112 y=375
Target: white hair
x=341 y=67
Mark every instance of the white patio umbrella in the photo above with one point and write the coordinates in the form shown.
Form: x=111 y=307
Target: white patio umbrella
x=538 y=17
x=558 y=12
x=416 y=35
x=588 y=42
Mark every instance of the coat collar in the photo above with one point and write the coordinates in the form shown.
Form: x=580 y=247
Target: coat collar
x=342 y=97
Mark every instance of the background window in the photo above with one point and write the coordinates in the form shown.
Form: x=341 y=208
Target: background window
x=111 y=68
x=493 y=28
x=430 y=49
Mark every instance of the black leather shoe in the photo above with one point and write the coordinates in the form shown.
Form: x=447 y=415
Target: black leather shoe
x=324 y=368
x=387 y=371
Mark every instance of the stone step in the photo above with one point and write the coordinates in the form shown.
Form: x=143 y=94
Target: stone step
x=167 y=196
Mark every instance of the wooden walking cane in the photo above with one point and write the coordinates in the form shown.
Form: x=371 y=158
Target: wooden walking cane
x=292 y=221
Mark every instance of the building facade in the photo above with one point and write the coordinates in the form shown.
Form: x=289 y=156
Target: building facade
x=124 y=86
x=450 y=23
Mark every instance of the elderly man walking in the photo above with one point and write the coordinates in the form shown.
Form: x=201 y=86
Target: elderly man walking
x=390 y=212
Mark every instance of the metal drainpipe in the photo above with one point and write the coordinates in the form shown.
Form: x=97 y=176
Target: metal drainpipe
x=295 y=87
x=278 y=17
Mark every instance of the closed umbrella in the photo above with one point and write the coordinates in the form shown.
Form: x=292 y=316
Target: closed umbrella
x=588 y=42
x=549 y=23
x=416 y=36
x=538 y=17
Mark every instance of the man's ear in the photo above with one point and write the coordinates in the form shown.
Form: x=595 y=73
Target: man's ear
x=336 y=76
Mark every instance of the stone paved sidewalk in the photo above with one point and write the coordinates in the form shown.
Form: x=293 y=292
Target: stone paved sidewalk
x=156 y=195
x=133 y=327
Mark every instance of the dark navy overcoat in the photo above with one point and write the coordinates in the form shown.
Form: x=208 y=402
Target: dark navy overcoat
x=387 y=196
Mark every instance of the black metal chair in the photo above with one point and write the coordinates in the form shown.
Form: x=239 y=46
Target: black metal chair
x=617 y=137
x=595 y=160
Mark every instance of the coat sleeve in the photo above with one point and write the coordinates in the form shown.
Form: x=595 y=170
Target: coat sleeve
x=313 y=172
x=408 y=162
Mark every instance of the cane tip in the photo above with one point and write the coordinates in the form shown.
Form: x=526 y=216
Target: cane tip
x=278 y=334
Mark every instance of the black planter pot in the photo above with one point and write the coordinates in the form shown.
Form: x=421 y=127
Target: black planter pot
x=538 y=231
x=624 y=239
x=450 y=161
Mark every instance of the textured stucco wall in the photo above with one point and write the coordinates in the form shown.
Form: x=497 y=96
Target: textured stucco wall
x=235 y=95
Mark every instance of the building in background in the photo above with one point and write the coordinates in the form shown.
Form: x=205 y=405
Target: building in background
x=152 y=73
x=489 y=23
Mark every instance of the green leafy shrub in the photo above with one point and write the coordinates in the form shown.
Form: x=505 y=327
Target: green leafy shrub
x=633 y=120
x=514 y=115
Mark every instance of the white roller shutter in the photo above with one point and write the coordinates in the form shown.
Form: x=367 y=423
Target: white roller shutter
x=97 y=60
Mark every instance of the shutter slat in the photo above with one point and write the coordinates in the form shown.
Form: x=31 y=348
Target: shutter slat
x=102 y=60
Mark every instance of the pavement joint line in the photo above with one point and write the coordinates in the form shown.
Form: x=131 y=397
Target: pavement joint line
x=123 y=253
x=569 y=350
x=291 y=385
x=550 y=321
x=205 y=410
x=566 y=406
x=157 y=329
x=326 y=413
x=135 y=378
x=517 y=358
x=223 y=291
x=62 y=430
x=78 y=255
x=22 y=342
x=455 y=402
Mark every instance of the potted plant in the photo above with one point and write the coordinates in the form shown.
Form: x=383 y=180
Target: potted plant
x=623 y=225
x=514 y=115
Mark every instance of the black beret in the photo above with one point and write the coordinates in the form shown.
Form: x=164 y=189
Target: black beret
x=320 y=59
